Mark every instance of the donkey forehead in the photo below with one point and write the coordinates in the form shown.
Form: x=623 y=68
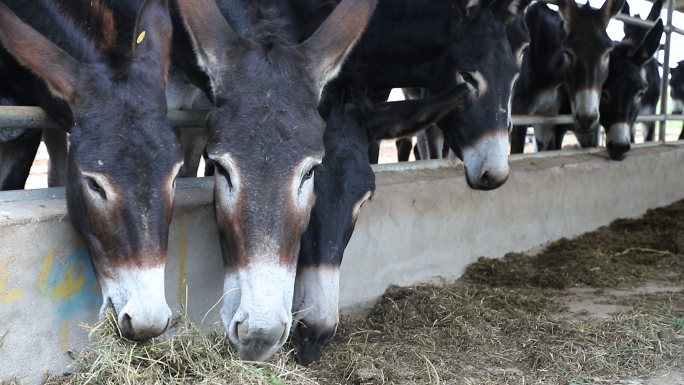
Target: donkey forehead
x=587 y=39
x=281 y=67
x=626 y=73
x=131 y=152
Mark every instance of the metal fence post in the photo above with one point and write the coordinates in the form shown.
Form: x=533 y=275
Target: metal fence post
x=666 y=71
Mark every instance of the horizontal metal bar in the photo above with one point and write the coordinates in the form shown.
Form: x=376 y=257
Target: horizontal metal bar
x=526 y=120
x=36 y=117
x=630 y=20
x=25 y=117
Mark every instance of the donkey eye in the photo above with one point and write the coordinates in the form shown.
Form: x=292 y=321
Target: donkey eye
x=605 y=96
x=309 y=174
x=468 y=77
x=93 y=186
x=220 y=170
x=567 y=55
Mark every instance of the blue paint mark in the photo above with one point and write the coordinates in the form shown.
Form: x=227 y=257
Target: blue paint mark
x=60 y=285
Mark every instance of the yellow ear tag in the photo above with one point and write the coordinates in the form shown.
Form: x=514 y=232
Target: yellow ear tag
x=141 y=37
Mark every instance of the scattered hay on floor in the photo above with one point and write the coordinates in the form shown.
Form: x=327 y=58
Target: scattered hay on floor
x=504 y=322
x=474 y=334
x=625 y=253
x=186 y=357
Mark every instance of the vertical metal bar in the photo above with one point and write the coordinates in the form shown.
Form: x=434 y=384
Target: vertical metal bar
x=666 y=69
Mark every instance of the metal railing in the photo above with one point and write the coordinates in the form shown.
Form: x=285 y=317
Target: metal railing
x=35 y=117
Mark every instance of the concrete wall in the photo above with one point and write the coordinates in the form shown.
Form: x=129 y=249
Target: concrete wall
x=421 y=224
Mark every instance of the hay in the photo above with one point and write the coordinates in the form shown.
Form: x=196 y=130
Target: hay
x=187 y=357
x=625 y=253
x=505 y=322
x=474 y=334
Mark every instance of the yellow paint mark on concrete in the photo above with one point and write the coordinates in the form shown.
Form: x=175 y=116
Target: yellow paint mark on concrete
x=64 y=336
x=69 y=286
x=11 y=294
x=45 y=270
x=181 y=263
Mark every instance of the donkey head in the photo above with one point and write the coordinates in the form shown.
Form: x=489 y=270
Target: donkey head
x=123 y=158
x=481 y=55
x=343 y=183
x=266 y=138
x=634 y=34
x=677 y=87
x=622 y=91
x=586 y=49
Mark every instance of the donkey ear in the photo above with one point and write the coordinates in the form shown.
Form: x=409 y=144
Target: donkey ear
x=568 y=10
x=210 y=34
x=152 y=36
x=609 y=9
x=655 y=10
x=509 y=10
x=59 y=70
x=327 y=48
x=391 y=120
x=649 y=45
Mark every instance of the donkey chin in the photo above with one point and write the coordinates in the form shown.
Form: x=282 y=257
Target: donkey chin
x=486 y=162
x=137 y=296
x=315 y=309
x=618 y=140
x=256 y=309
x=585 y=114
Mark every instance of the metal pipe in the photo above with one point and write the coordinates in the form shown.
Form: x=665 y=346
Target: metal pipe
x=36 y=117
x=666 y=70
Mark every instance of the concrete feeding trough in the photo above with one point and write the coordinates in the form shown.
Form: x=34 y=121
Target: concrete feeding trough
x=423 y=223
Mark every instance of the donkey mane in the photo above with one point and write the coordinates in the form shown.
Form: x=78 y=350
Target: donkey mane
x=269 y=28
x=96 y=21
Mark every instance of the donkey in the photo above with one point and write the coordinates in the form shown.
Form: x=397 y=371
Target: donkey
x=344 y=182
x=677 y=90
x=437 y=45
x=266 y=141
x=634 y=35
x=575 y=58
x=625 y=89
x=124 y=156
x=430 y=142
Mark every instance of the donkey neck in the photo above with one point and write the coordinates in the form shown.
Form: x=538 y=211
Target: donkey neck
x=402 y=43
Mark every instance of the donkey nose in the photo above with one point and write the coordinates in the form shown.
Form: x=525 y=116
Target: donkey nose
x=256 y=340
x=143 y=327
x=617 y=151
x=489 y=180
x=587 y=122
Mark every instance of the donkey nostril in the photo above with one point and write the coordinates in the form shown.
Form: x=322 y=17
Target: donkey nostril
x=126 y=326
x=242 y=331
x=485 y=179
x=284 y=336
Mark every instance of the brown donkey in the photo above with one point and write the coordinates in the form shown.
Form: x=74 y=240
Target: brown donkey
x=124 y=156
x=266 y=140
